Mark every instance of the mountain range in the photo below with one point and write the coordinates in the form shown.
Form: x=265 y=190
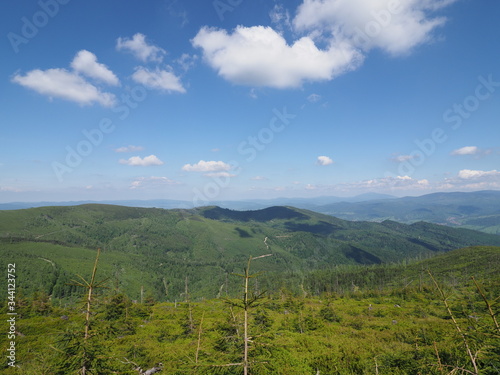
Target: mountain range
x=249 y=204
x=160 y=250
x=478 y=210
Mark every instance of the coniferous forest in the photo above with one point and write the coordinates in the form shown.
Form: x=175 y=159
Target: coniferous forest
x=115 y=290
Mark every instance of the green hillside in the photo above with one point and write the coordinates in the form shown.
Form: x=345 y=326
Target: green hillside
x=157 y=250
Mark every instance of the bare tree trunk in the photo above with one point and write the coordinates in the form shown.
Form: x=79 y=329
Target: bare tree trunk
x=488 y=305
x=199 y=339
x=245 y=334
x=246 y=303
x=90 y=285
x=89 y=295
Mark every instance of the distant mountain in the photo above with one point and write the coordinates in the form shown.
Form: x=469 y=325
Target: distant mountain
x=475 y=210
x=158 y=249
x=251 y=204
x=152 y=203
x=306 y=203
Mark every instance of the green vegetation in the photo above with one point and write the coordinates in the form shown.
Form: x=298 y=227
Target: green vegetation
x=407 y=327
x=150 y=252
x=335 y=297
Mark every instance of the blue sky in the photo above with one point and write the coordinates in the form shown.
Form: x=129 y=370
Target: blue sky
x=238 y=99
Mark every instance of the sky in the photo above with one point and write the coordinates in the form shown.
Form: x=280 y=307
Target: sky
x=238 y=99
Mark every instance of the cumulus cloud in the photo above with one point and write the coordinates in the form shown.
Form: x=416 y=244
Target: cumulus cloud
x=394 y=26
x=468 y=150
x=140 y=48
x=260 y=56
x=468 y=174
x=137 y=161
x=158 y=79
x=465 y=179
x=207 y=166
x=382 y=184
x=85 y=62
x=71 y=85
x=129 y=148
x=60 y=83
x=324 y=160
x=345 y=29
x=468 y=179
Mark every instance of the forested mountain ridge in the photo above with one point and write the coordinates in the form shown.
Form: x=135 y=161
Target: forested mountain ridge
x=478 y=210
x=157 y=249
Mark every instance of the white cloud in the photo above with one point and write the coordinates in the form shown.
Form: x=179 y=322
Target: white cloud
x=345 y=29
x=86 y=62
x=151 y=182
x=324 y=160
x=259 y=178
x=384 y=184
x=468 y=179
x=158 y=79
x=468 y=174
x=393 y=26
x=140 y=48
x=137 y=161
x=468 y=150
x=207 y=166
x=60 y=83
x=129 y=148
x=259 y=56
